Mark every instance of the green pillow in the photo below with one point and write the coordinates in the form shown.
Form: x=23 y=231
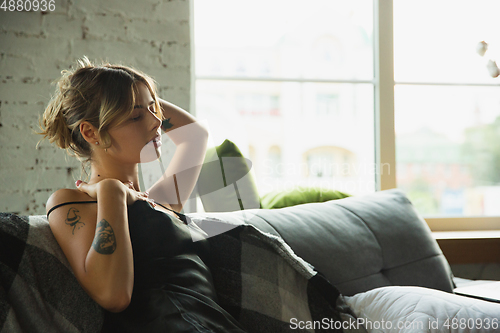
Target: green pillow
x=299 y=195
x=225 y=183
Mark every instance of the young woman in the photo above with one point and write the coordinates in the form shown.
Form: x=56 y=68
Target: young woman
x=132 y=251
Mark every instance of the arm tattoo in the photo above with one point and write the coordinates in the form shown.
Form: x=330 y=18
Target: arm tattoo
x=166 y=124
x=104 y=240
x=73 y=219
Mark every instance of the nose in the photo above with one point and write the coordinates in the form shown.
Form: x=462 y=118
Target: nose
x=155 y=120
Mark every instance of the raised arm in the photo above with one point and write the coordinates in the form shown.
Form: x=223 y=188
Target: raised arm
x=98 y=249
x=190 y=138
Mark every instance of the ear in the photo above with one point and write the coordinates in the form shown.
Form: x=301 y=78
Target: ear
x=89 y=132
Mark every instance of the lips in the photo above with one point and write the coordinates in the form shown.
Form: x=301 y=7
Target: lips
x=156 y=140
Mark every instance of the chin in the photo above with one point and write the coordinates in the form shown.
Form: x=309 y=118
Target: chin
x=150 y=153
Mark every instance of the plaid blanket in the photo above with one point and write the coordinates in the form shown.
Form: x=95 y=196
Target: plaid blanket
x=257 y=277
x=38 y=291
x=267 y=288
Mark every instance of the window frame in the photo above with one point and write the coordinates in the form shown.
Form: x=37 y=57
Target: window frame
x=384 y=112
x=385 y=135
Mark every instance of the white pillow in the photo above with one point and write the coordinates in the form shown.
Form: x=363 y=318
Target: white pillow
x=416 y=309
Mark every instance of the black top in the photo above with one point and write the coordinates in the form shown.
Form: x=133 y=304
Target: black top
x=183 y=217
x=173 y=287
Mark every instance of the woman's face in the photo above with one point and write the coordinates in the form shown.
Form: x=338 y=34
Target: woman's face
x=137 y=140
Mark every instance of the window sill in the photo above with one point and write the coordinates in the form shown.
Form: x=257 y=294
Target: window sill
x=468 y=247
x=472 y=223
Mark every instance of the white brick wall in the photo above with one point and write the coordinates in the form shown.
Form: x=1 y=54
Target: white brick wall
x=151 y=35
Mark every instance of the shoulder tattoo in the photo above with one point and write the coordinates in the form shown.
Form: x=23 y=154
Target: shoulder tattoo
x=104 y=240
x=73 y=219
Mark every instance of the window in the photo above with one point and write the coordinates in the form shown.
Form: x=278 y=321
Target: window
x=300 y=78
x=327 y=104
x=320 y=165
x=406 y=104
x=332 y=163
x=274 y=159
x=447 y=107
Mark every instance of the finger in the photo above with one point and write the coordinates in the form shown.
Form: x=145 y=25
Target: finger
x=88 y=189
x=80 y=184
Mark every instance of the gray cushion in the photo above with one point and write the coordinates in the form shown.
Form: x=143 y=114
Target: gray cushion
x=359 y=243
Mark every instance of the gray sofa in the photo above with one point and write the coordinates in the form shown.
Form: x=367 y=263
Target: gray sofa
x=358 y=243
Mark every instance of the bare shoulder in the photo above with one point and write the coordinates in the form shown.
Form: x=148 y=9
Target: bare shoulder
x=64 y=195
x=69 y=204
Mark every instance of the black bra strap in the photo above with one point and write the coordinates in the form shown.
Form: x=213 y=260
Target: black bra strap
x=183 y=217
x=67 y=203
x=167 y=208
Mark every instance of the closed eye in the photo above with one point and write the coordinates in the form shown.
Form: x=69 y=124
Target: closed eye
x=136 y=118
x=151 y=108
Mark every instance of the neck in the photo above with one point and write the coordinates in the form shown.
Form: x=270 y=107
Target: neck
x=123 y=172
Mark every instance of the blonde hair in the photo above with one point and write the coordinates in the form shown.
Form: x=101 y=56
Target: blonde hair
x=103 y=95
